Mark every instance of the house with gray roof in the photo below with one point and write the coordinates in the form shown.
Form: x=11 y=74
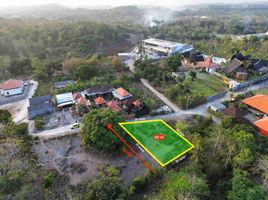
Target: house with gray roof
x=39 y=106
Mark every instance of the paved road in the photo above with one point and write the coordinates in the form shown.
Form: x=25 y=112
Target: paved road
x=169 y=103
x=21 y=113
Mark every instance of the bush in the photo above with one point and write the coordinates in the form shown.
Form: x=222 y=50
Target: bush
x=39 y=123
x=49 y=179
x=5 y=116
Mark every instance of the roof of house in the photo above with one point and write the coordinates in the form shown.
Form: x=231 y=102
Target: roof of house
x=208 y=63
x=40 y=100
x=82 y=101
x=238 y=56
x=122 y=92
x=77 y=95
x=60 y=84
x=137 y=103
x=65 y=98
x=99 y=100
x=233 y=66
x=113 y=105
x=234 y=112
x=11 y=84
x=259 y=102
x=100 y=89
x=258 y=64
x=263 y=125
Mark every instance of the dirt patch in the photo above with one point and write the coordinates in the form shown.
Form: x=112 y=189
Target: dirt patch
x=69 y=157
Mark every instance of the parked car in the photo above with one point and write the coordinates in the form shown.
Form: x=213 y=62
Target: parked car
x=75 y=126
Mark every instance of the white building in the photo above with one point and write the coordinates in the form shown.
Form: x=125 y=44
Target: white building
x=65 y=99
x=11 y=87
x=165 y=48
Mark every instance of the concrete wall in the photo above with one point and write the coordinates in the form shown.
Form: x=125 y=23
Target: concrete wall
x=216 y=96
x=248 y=83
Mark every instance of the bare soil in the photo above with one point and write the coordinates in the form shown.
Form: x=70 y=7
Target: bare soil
x=69 y=157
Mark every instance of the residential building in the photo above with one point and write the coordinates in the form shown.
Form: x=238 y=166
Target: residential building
x=114 y=105
x=40 y=106
x=61 y=84
x=262 y=126
x=65 y=100
x=165 y=48
x=99 y=101
x=11 y=87
x=208 y=65
x=258 y=102
x=99 y=90
x=235 y=112
x=234 y=67
x=121 y=94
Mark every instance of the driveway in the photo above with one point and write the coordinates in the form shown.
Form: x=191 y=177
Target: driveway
x=18 y=109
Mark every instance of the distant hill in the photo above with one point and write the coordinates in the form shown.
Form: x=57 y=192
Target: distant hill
x=124 y=14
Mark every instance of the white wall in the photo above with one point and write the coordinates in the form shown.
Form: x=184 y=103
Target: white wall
x=13 y=91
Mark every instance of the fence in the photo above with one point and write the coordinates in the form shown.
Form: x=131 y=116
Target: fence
x=248 y=83
x=6 y=100
x=216 y=96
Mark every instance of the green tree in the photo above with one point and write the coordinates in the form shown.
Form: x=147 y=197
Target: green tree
x=85 y=72
x=174 y=62
x=105 y=188
x=193 y=74
x=5 y=116
x=243 y=188
x=95 y=132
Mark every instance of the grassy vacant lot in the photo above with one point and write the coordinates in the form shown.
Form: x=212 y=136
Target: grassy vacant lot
x=261 y=91
x=163 y=151
x=207 y=85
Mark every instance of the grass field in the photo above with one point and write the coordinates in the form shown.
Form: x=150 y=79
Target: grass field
x=207 y=85
x=163 y=151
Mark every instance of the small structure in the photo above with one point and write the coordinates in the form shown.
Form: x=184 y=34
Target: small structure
x=40 y=106
x=99 y=90
x=121 y=94
x=217 y=107
x=61 y=84
x=235 y=112
x=113 y=105
x=262 y=126
x=166 y=48
x=233 y=84
x=64 y=100
x=260 y=65
x=99 y=101
x=80 y=99
x=208 y=65
x=11 y=87
x=258 y=102
x=234 y=67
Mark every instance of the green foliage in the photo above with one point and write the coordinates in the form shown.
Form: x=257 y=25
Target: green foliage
x=85 y=72
x=12 y=129
x=140 y=183
x=189 y=182
x=173 y=62
x=193 y=74
x=39 y=123
x=243 y=188
x=106 y=188
x=5 y=116
x=49 y=179
x=96 y=134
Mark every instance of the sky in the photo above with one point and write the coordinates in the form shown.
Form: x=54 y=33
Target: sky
x=77 y=3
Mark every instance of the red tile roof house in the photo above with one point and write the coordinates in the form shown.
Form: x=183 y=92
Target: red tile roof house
x=11 y=87
x=121 y=94
x=99 y=101
x=208 y=65
x=113 y=105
